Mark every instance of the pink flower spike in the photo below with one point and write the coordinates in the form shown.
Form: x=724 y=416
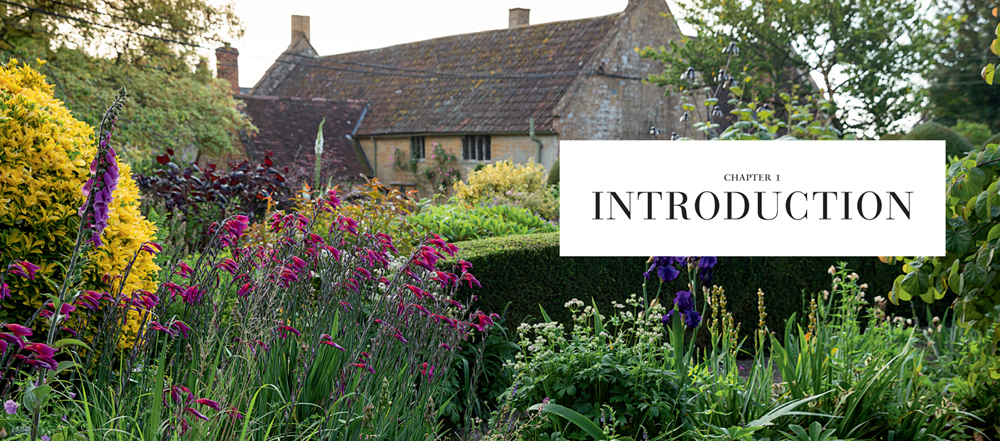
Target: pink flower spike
x=151 y=247
x=245 y=290
x=331 y=343
x=182 y=327
x=445 y=346
x=66 y=308
x=210 y=403
x=196 y=414
x=4 y=291
x=284 y=329
x=24 y=269
x=399 y=336
x=19 y=330
x=229 y=265
x=183 y=270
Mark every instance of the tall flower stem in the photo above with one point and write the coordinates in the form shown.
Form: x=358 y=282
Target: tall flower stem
x=104 y=151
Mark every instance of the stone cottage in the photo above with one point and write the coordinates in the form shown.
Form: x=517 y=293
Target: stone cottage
x=506 y=94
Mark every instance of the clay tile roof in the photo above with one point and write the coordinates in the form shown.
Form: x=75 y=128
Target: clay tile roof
x=485 y=82
x=287 y=127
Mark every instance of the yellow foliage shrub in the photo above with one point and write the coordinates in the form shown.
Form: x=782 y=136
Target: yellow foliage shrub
x=44 y=161
x=516 y=184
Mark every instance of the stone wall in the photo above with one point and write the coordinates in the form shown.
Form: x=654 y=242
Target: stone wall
x=381 y=155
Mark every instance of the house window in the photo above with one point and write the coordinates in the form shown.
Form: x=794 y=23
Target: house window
x=476 y=148
x=417 y=147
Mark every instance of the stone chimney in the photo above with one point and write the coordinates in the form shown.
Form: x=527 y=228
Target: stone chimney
x=227 y=68
x=518 y=17
x=300 y=27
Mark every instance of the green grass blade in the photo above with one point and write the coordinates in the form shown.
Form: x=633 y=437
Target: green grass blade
x=572 y=416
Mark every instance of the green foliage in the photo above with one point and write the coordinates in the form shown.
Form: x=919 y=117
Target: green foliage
x=876 y=46
x=965 y=32
x=478 y=377
x=44 y=162
x=971 y=236
x=176 y=103
x=870 y=363
x=976 y=133
x=607 y=366
x=504 y=182
x=554 y=174
x=526 y=271
x=995 y=139
x=955 y=144
x=456 y=222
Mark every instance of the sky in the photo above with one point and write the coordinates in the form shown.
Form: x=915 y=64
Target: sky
x=339 y=26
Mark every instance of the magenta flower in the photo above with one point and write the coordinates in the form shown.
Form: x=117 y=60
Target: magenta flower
x=156 y=326
x=399 y=336
x=183 y=270
x=18 y=330
x=283 y=331
x=196 y=414
x=237 y=225
x=229 y=265
x=209 y=403
x=182 y=327
x=245 y=290
x=348 y=224
x=328 y=340
x=24 y=269
x=4 y=291
x=151 y=247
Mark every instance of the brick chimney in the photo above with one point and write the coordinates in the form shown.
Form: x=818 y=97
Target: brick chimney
x=227 y=68
x=300 y=27
x=518 y=17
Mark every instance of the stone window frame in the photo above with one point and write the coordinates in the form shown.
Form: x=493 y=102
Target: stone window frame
x=418 y=147
x=477 y=148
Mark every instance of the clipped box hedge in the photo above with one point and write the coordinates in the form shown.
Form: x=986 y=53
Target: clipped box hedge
x=526 y=271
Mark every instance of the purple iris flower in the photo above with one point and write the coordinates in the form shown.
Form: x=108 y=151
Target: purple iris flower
x=684 y=305
x=705 y=265
x=684 y=301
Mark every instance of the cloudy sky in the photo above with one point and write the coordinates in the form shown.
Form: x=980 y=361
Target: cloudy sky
x=339 y=26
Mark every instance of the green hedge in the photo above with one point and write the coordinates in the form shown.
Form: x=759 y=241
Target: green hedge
x=955 y=144
x=526 y=271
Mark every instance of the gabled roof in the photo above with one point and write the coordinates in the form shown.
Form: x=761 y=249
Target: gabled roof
x=485 y=82
x=287 y=127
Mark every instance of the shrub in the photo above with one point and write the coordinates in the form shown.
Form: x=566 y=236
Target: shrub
x=505 y=182
x=526 y=271
x=976 y=133
x=554 y=174
x=189 y=198
x=995 y=139
x=44 y=158
x=458 y=222
x=955 y=144
x=613 y=366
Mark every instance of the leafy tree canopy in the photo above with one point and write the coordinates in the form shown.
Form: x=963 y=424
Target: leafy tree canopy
x=956 y=92
x=93 y=47
x=861 y=53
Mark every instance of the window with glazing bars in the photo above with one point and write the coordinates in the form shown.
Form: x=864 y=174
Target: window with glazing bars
x=476 y=148
x=417 y=147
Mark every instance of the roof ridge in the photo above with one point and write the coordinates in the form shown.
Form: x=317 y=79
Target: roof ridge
x=615 y=15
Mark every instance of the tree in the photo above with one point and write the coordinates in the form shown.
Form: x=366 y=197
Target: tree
x=861 y=53
x=956 y=91
x=93 y=47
